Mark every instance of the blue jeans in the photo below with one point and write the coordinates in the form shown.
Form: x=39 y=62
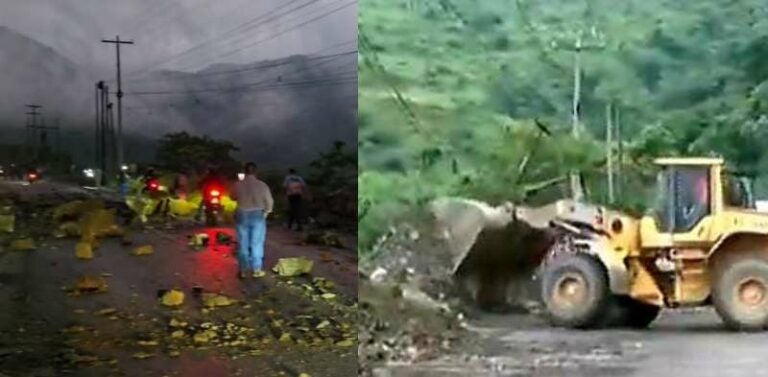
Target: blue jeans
x=251 y=234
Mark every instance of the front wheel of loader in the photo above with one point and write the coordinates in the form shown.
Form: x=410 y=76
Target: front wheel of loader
x=740 y=294
x=575 y=291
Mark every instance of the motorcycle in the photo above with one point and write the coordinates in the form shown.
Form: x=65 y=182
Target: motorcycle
x=212 y=206
x=32 y=176
x=151 y=185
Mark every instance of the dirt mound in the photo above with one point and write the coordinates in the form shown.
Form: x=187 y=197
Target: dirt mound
x=414 y=291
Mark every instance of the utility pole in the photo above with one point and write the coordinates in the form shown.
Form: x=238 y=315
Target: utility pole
x=31 y=121
x=575 y=180
x=112 y=162
x=97 y=129
x=31 y=124
x=609 y=149
x=617 y=124
x=119 y=142
x=103 y=134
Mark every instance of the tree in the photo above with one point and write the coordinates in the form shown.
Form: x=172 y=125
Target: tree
x=178 y=150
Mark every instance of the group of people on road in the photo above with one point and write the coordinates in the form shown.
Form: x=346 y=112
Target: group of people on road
x=254 y=205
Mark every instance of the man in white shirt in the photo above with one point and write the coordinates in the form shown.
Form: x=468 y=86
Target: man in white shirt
x=254 y=203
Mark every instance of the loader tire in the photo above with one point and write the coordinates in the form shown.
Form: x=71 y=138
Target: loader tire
x=740 y=294
x=635 y=314
x=575 y=291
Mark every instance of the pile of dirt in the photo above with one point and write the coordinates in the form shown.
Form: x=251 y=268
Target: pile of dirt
x=406 y=314
x=419 y=283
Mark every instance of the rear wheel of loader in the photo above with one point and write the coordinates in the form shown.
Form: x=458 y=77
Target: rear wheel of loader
x=740 y=294
x=575 y=291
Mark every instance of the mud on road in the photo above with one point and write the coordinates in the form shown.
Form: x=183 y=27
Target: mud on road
x=681 y=343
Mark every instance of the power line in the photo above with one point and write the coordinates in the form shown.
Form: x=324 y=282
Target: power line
x=330 y=57
x=248 y=38
x=295 y=27
x=335 y=80
x=219 y=37
x=271 y=85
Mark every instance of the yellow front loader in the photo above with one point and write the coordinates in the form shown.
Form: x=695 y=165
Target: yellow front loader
x=703 y=243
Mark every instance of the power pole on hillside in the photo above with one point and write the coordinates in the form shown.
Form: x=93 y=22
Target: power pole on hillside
x=41 y=134
x=617 y=124
x=578 y=47
x=609 y=149
x=31 y=122
x=119 y=141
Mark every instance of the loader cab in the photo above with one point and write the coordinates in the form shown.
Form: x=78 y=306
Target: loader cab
x=689 y=191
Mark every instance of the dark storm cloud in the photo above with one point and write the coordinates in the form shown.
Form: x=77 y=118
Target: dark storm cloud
x=62 y=77
x=162 y=28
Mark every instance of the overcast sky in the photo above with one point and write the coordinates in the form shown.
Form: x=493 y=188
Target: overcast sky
x=161 y=29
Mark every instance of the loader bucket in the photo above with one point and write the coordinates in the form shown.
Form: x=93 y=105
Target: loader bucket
x=494 y=251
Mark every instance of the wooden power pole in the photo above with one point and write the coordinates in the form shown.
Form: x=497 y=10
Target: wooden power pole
x=575 y=181
x=609 y=149
x=119 y=141
x=620 y=149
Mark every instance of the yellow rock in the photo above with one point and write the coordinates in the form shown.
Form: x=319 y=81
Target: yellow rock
x=23 y=244
x=143 y=250
x=7 y=223
x=177 y=334
x=345 y=343
x=83 y=250
x=69 y=229
x=213 y=300
x=88 y=283
x=142 y=355
x=147 y=343
x=98 y=223
x=69 y=209
x=176 y=323
x=114 y=231
x=203 y=336
x=198 y=240
x=285 y=338
x=174 y=297
x=304 y=375
x=293 y=266
x=328 y=296
x=107 y=311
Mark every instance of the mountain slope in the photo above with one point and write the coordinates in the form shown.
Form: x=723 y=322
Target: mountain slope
x=279 y=112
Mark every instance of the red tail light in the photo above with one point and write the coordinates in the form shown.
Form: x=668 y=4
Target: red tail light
x=32 y=176
x=215 y=193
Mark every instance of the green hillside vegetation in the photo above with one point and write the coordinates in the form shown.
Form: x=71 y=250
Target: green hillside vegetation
x=450 y=90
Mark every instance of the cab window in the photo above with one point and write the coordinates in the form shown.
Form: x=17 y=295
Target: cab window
x=736 y=192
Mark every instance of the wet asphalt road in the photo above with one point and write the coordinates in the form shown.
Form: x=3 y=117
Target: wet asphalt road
x=682 y=343
x=36 y=308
